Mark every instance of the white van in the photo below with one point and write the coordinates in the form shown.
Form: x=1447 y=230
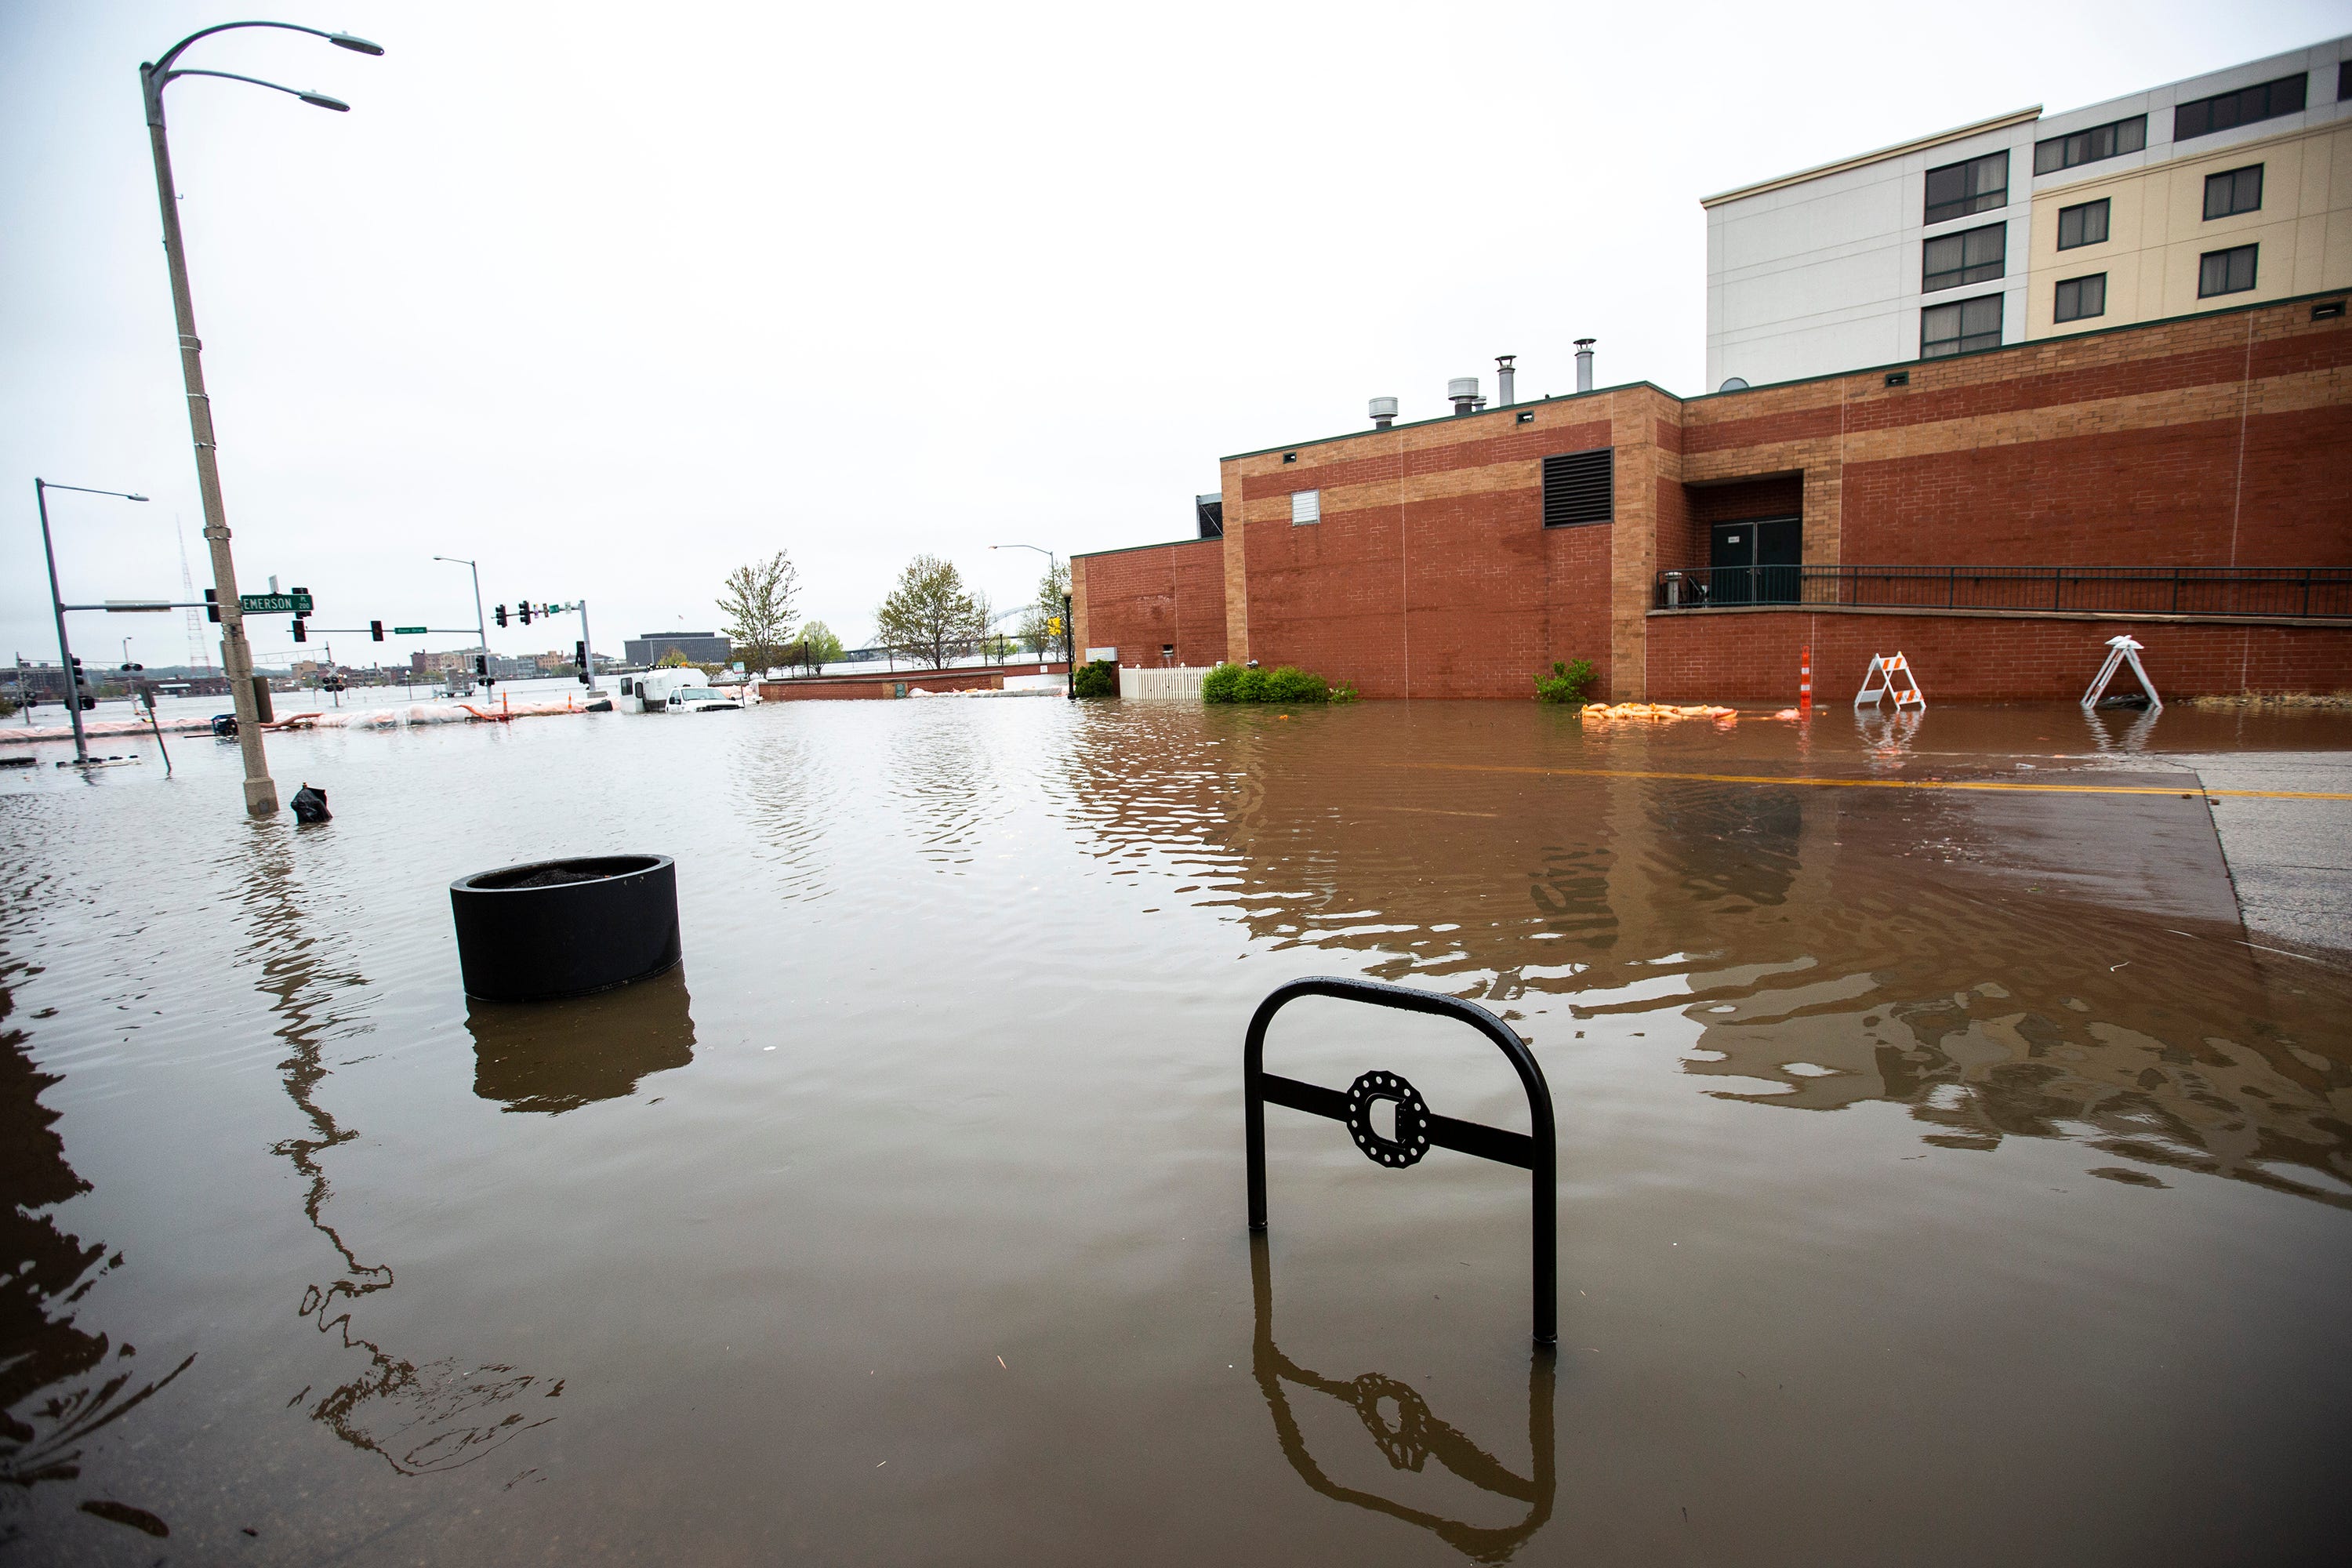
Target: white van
x=687 y=690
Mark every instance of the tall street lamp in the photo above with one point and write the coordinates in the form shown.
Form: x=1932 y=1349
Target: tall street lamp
x=236 y=656
x=41 y=489
x=481 y=632
x=1069 y=651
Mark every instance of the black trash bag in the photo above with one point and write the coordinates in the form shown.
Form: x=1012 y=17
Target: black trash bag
x=311 y=805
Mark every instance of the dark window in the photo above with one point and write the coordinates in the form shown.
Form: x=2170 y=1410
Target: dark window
x=2264 y=101
x=1962 y=326
x=2228 y=271
x=1956 y=190
x=1971 y=255
x=2344 y=81
x=2239 y=191
x=1580 y=486
x=2079 y=298
x=2111 y=141
x=2084 y=224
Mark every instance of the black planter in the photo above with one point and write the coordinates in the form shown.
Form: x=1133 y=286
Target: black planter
x=565 y=927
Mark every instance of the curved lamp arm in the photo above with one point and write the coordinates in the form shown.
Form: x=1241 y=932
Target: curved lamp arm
x=321 y=98
x=154 y=77
x=341 y=40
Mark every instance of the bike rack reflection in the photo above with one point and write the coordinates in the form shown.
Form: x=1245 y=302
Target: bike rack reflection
x=555 y=1057
x=1416 y=1437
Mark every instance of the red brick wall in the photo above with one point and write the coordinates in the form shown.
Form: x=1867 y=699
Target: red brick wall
x=1139 y=600
x=1751 y=656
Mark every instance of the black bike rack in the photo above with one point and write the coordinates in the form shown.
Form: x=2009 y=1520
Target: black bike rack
x=1418 y=1128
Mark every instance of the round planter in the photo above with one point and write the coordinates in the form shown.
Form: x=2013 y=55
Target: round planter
x=565 y=927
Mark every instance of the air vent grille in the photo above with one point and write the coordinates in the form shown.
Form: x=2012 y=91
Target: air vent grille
x=1579 y=488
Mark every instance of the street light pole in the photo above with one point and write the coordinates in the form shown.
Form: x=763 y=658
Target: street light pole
x=41 y=489
x=1053 y=566
x=236 y=654
x=482 y=631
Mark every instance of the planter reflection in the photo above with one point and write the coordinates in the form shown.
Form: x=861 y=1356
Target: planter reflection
x=1409 y=1440
x=555 y=1057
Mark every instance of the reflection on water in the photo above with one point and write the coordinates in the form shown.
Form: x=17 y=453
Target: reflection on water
x=419 y=1417
x=555 y=1056
x=59 y=1383
x=1407 y=1434
x=1951 y=952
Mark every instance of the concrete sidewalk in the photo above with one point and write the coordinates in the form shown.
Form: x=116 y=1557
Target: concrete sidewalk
x=2291 y=859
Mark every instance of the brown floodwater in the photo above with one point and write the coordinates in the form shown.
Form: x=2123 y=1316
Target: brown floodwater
x=1943 y=1176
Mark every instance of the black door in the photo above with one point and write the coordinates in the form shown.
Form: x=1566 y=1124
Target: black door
x=1756 y=562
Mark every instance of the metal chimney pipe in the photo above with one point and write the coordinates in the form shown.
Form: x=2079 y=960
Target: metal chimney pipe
x=1503 y=380
x=1584 y=363
x=1463 y=391
x=1385 y=410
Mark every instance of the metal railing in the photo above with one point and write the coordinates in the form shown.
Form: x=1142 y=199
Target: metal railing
x=2319 y=593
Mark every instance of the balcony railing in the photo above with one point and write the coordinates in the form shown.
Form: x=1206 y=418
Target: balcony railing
x=2320 y=592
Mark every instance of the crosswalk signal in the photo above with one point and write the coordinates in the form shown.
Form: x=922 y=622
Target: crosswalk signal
x=212 y=604
x=526 y=612
x=375 y=630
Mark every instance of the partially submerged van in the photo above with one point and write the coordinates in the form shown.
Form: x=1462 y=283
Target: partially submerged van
x=673 y=692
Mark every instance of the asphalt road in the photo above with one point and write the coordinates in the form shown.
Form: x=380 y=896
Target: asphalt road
x=2291 y=859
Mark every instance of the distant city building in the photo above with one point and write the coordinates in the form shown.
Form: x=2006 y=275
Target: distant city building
x=699 y=647
x=459 y=659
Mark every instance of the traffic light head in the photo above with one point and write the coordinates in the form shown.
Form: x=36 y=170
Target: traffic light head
x=301 y=632
x=482 y=663
x=502 y=615
x=375 y=630
x=526 y=612
x=212 y=604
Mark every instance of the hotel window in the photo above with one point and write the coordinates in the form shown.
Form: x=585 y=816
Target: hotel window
x=1959 y=328
x=2084 y=224
x=2229 y=271
x=1306 y=506
x=2111 y=141
x=2238 y=191
x=1956 y=190
x=2264 y=101
x=1579 y=488
x=1971 y=255
x=2079 y=298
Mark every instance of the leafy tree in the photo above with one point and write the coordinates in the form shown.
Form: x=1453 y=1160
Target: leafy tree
x=672 y=659
x=758 y=604
x=816 y=648
x=931 y=616
x=1037 y=625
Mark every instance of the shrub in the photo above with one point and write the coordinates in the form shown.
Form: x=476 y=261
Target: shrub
x=1099 y=679
x=1567 y=682
x=1285 y=684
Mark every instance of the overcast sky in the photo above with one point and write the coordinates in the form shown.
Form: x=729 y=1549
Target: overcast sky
x=614 y=298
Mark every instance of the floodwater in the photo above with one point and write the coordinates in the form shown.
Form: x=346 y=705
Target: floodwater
x=1943 y=1176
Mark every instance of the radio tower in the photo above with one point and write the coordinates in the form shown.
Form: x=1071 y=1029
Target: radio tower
x=200 y=655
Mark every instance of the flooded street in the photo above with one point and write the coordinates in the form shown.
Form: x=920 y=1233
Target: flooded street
x=1945 y=1173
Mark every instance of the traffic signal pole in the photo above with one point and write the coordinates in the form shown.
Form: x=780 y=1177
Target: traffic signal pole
x=65 y=651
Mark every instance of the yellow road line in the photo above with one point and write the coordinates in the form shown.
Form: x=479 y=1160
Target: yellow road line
x=2019 y=787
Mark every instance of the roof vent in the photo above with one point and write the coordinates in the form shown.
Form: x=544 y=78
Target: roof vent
x=1464 y=392
x=1584 y=363
x=1383 y=413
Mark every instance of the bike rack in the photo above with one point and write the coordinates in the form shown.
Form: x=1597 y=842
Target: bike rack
x=1418 y=1128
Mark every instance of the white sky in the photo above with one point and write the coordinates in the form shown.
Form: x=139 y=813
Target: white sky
x=614 y=298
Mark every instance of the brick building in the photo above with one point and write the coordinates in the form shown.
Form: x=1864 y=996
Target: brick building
x=1996 y=515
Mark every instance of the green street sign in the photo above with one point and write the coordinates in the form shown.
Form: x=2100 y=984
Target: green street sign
x=274 y=604
x=408 y=631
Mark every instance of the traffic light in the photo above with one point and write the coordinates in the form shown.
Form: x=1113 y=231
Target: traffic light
x=526 y=612
x=212 y=604
x=301 y=632
x=499 y=615
x=482 y=660
x=375 y=630
x=580 y=661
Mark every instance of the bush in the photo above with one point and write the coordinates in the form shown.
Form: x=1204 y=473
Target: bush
x=1099 y=679
x=1567 y=682
x=1285 y=684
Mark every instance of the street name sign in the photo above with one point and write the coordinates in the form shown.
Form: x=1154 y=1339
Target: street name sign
x=274 y=604
x=409 y=631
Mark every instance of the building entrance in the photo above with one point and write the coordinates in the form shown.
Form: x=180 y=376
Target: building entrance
x=1754 y=562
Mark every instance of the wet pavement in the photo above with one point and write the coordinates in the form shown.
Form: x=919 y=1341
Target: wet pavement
x=1947 y=1172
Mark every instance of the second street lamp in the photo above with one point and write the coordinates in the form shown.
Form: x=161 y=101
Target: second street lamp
x=237 y=655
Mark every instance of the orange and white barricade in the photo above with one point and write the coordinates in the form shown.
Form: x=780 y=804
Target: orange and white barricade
x=1890 y=676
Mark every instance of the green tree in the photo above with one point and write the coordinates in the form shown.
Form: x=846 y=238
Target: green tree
x=758 y=603
x=672 y=659
x=931 y=616
x=1036 y=626
x=816 y=648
